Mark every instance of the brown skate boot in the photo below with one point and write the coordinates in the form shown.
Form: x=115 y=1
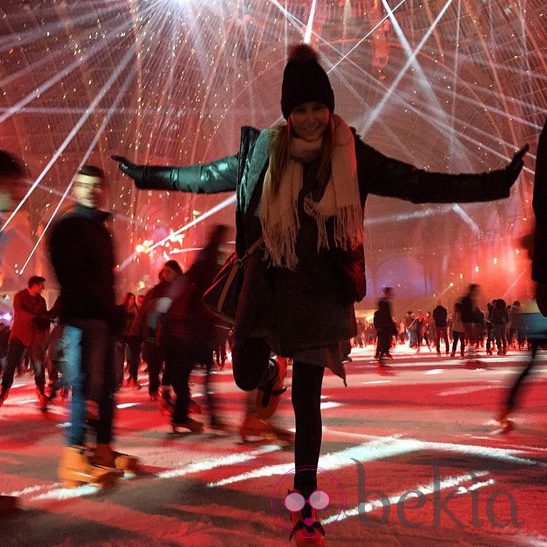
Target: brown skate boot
x=253 y=427
x=76 y=469
x=106 y=457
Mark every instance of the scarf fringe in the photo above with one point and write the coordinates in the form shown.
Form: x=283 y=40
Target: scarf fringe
x=341 y=201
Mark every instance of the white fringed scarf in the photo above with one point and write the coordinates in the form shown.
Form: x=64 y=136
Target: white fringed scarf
x=279 y=212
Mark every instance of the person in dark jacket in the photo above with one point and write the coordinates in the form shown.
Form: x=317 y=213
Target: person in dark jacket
x=82 y=255
x=440 y=318
x=189 y=334
x=302 y=186
x=470 y=319
x=530 y=322
x=155 y=303
x=385 y=331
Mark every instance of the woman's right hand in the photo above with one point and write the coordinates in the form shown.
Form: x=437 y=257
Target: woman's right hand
x=136 y=172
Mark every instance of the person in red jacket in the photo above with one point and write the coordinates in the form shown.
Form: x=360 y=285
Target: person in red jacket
x=29 y=332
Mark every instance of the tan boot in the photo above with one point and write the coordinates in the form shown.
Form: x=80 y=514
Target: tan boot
x=75 y=469
x=253 y=426
x=105 y=456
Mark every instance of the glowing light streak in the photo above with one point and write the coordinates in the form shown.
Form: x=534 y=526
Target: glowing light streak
x=309 y=25
x=127 y=405
x=223 y=204
x=90 y=149
x=381 y=449
x=433 y=119
x=69 y=493
x=374 y=450
x=378 y=108
x=89 y=54
x=407 y=216
x=466 y=218
x=488 y=52
x=330 y=404
x=289 y=17
x=113 y=77
x=345 y=56
x=19 y=39
x=217 y=461
x=422 y=78
x=494 y=151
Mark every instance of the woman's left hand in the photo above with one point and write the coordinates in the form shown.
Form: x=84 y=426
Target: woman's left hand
x=517 y=163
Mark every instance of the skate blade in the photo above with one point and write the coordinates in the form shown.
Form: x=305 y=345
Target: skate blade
x=503 y=428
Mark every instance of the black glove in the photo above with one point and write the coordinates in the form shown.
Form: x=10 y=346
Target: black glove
x=136 y=172
x=512 y=171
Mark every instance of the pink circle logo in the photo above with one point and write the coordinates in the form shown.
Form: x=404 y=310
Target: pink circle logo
x=329 y=499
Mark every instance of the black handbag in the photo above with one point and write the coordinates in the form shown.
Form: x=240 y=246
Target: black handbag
x=223 y=294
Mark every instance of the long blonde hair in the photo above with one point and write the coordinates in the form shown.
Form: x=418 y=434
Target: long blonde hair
x=280 y=153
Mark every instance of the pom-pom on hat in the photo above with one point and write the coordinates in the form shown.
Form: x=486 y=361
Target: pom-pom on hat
x=175 y=266
x=304 y=80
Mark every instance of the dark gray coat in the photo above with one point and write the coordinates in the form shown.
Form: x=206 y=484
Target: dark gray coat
x=312 y=306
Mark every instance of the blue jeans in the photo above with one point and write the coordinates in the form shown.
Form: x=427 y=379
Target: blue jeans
x=16 y=349
x=87 y=362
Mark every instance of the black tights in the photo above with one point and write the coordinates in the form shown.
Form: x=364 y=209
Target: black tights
x=250 y=364
x=306 y=401
x=511 y=401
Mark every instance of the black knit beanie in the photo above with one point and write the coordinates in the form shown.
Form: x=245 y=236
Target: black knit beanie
x=304 y=80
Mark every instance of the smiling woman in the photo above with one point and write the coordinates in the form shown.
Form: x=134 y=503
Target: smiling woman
x=301 y=187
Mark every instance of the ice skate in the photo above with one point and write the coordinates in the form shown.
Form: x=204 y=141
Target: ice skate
x=3 y=396
x=269 y=394
x=105 y=456
x=253 y=428
x=76 y=469
x=43 y=400
x=504 y=423
x=307 y=532
x=190 y=424
x=165 y=402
